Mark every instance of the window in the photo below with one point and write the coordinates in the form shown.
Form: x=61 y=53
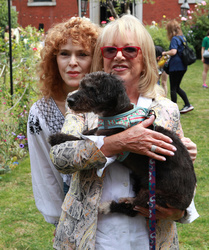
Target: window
x=41 y=2
x=190 y=1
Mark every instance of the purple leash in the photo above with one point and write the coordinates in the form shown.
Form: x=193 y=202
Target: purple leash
x=152 y=202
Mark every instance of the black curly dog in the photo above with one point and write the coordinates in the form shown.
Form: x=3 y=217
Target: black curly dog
x=105 y=95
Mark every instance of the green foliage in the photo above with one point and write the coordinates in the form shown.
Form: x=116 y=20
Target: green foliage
x=196 y=25
x=4 y=15
x=15 y=108
x=159 y=36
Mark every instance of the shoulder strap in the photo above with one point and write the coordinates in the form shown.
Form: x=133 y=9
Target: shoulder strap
x=184 y=42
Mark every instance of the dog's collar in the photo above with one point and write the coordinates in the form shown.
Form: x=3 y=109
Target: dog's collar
x=124 y=120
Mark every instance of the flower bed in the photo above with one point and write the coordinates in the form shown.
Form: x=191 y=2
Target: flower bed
x=14 y=108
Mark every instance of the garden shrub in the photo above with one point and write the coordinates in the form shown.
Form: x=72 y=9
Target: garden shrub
x=159 y=36
x=196 y=25
x=14 y=108
x=4 y=15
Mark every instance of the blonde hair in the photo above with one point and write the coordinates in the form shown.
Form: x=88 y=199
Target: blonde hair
x=82 y=32
x=147 y=86
x=173 y=29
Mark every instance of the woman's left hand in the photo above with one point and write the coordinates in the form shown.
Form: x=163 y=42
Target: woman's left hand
x=191 y=147
x=169 y=213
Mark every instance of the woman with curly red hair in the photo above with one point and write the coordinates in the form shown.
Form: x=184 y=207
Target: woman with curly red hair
x=65 y=59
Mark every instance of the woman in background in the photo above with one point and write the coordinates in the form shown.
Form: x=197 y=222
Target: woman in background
x=176 y=67
x=205 y=46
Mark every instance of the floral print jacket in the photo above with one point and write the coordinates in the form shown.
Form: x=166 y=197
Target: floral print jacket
x=78 y=222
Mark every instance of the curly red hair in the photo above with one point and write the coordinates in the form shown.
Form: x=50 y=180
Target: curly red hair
x=82 y=32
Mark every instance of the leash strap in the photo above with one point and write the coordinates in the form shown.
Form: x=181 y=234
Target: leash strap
x=152 y=202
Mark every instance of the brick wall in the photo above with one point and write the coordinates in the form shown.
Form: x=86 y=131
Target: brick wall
x=47 y=15
x=34 y=15
x=154 y=12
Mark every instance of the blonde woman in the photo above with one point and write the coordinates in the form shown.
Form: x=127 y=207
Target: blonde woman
x=126 y=49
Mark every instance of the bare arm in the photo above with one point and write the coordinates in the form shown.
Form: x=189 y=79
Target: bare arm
x=171 y=52
x=202 y=51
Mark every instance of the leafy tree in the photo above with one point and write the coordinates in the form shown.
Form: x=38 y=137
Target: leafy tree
x=114 y=6
x=4 y=15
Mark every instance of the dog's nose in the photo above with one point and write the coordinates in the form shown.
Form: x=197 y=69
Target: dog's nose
x=71 y=101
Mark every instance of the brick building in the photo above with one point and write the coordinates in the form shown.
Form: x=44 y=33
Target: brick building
x=43 y=13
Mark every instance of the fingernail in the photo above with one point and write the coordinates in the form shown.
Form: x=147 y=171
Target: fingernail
x=163 y=159
x=174 y=148
x=172 y=153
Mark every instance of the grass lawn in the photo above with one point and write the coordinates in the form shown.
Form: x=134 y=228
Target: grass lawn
x=196 y=126
x=23 y=227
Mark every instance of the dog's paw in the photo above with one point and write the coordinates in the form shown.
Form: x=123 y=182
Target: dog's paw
x=104 y=208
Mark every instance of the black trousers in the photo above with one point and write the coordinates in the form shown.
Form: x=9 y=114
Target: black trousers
x=175 y=78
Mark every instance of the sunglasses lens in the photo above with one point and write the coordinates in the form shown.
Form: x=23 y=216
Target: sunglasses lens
x=109 y=52
x=130 y=52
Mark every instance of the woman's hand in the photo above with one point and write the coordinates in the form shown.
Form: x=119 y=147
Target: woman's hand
x=138 y=139
x=169 y=213
x=191 y=147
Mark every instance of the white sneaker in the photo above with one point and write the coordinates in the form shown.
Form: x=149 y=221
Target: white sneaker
x=186 y=109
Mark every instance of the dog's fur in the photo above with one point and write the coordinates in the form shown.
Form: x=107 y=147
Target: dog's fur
x=105 y=95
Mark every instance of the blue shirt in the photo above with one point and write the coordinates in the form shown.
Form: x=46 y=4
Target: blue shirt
x=176 y=63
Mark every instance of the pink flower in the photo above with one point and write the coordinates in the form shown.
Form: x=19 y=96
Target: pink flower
x=103 y=22
x=190 y=17
x=34 y=49
x=183 y=19
x=203 y=3
x=112 y=18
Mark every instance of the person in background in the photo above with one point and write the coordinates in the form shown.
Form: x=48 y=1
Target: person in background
x=176 y=67
x=6 y=34
x=126 y=49
x=162 y=74
x=205 y=46
x=65 y=59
